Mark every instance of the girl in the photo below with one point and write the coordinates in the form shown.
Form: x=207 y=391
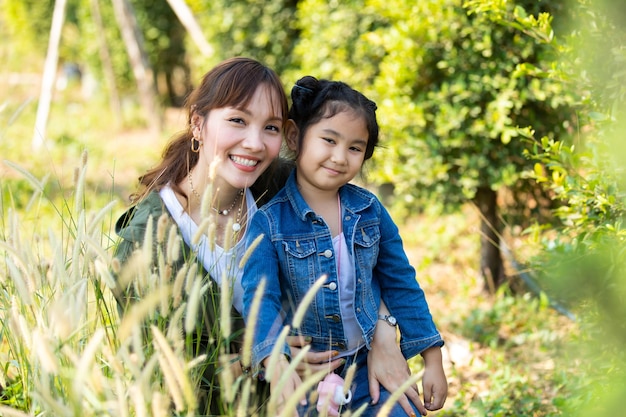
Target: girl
x=319 y=224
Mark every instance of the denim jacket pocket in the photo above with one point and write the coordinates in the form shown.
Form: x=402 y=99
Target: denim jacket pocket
x=299 y=261
x=299 y=248
x=366 y=240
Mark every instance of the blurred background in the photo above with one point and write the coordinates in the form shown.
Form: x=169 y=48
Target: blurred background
x=502 y=154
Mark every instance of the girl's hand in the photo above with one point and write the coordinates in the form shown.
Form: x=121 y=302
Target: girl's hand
x=434 y=380
x=313 y=361
x=387 y=366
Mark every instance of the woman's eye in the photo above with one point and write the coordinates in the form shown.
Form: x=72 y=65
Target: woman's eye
x=273 y=128
x=236 y=120
x=356 y=149
x=329 y=140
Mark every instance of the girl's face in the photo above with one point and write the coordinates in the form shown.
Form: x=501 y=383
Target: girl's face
x=238 y=144
x=332 y=152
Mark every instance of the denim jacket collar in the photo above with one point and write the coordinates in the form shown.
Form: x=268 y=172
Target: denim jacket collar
x=353 y=199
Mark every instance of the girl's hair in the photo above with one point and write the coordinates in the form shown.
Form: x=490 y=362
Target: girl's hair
x=313 y=100
x=232 y=83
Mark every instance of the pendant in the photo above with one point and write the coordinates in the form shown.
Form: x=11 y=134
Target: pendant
x=236 y=227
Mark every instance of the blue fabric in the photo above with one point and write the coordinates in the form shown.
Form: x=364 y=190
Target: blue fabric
x=296 y=249
x=360 y=393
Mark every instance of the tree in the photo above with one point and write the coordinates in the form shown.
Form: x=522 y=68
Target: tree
x=49 y=74
x=142 y=69
x=261 y=29
x=333 y=42
x=453 y=89
x=166 y=49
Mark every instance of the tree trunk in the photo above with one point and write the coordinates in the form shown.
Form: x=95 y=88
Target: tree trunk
x=491 y=266
x=107 y=65
x=133 y=40
x=49 y=74
x=186 y=17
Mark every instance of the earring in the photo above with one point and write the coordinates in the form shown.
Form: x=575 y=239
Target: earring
x=195 y=145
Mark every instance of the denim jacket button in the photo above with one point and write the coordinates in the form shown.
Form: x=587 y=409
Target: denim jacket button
x=328 y=253
x=332 y=286
x=336 y=318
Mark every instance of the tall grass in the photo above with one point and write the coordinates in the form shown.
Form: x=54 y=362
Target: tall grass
x=66 y=350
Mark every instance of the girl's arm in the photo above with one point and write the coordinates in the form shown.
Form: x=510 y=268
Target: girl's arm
x=261 y=271
x=401 y=291
x=434 y=380
x=387 y=366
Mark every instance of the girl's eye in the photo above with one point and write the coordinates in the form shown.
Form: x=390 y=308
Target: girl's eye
x=356 y=149
x=329 y=140
x=236 y=120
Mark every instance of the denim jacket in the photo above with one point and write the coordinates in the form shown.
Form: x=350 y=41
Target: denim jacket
x=296 y=250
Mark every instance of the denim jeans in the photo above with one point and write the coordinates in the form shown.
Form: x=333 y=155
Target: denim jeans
x=360 y=392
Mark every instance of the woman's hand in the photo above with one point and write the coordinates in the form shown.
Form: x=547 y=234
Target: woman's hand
x=387 y=366
x=313 y=361
x=274 y=376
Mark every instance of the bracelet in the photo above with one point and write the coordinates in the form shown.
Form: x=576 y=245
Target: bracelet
x=245 y=370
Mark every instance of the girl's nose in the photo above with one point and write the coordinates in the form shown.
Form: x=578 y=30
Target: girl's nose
x=338 y=155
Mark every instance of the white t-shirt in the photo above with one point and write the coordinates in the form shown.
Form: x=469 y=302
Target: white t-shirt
x=217 y=262
x=347 y=286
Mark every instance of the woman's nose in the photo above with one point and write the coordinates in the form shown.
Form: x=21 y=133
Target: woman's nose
x=253 y=140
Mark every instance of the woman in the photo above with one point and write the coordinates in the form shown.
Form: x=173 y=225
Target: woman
x=227 y=158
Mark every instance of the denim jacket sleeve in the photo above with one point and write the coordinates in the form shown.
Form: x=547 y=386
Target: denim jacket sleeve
x=262 y=268
x=402 y=293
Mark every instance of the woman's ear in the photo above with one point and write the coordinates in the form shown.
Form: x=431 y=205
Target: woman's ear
x=291 y=135
x=196 y=124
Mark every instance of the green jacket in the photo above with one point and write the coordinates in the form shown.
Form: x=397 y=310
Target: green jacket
x=207 y=339
x=131 y=228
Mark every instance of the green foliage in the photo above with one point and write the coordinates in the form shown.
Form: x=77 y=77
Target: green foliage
x=454 y=82
x=582 y=261
x=333 y=42
x=28 y=22
x=88 y=47
x=264 y=30
x=457 y=108
x=526 y=342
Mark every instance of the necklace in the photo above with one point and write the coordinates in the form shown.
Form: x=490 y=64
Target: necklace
x=340 y=237
x=223 y=212
x=236 y=224
x=193 y=190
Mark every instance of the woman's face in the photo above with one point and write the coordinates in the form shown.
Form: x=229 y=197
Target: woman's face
x=238 y=144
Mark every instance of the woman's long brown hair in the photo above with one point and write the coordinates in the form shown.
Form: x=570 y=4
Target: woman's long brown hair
x=232 y=83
